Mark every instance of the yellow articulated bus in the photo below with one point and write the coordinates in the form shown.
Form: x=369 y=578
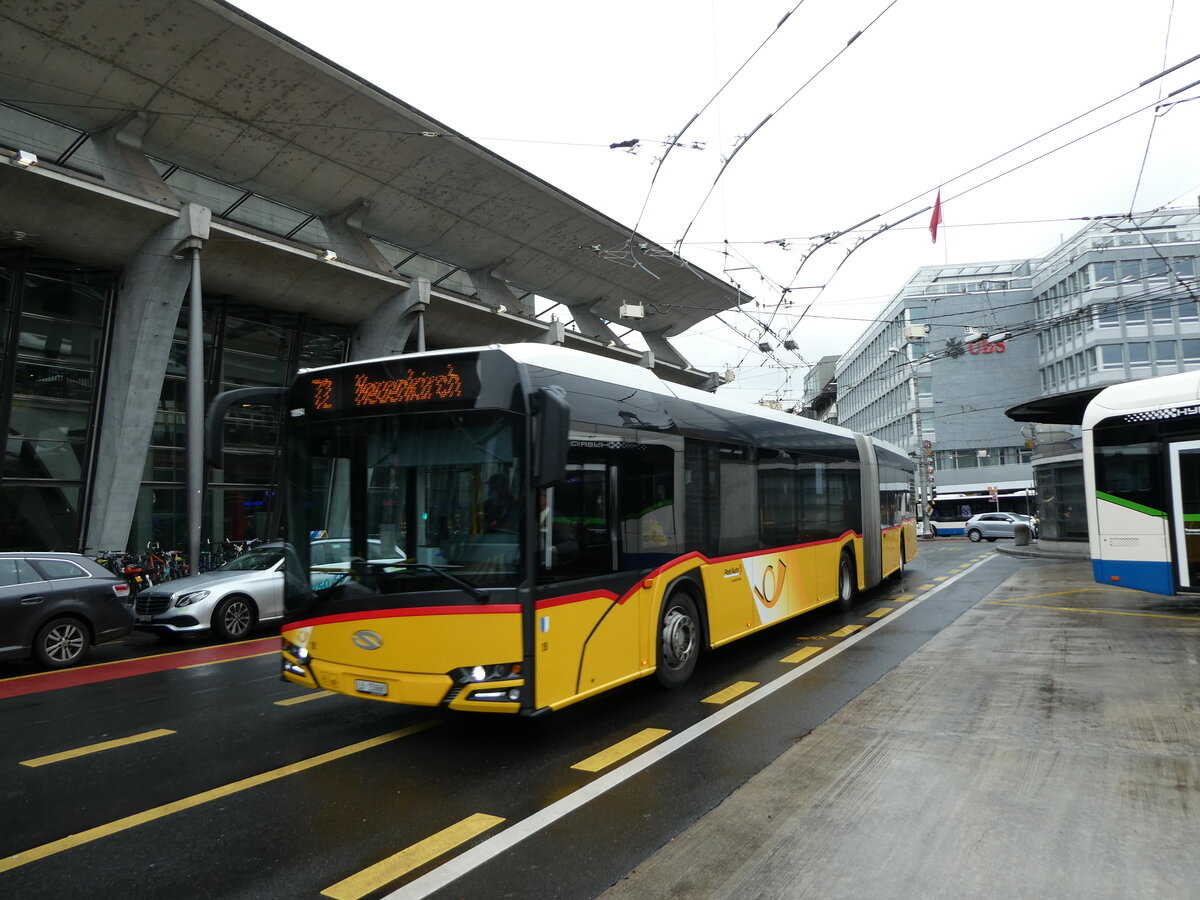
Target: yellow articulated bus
x=526 y=525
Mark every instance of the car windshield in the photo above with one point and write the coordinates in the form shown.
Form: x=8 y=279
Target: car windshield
x=254 y=561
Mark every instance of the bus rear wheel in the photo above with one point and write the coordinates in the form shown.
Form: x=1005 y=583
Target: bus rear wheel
x=678 y=640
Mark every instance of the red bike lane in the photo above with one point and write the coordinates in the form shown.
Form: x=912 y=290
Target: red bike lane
x=37 y=682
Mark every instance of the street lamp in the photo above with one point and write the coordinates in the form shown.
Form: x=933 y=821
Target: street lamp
x=922 y=461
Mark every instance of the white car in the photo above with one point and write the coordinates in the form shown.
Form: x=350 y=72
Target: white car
x=989 y=526
x=233 y=599
x=229 y=600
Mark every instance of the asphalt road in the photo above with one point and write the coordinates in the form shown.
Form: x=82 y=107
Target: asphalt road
x=195 y=772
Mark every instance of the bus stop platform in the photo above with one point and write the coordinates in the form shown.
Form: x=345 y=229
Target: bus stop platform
x=1044 y=744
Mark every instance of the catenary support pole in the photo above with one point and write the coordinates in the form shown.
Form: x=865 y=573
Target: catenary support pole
x=195 y=414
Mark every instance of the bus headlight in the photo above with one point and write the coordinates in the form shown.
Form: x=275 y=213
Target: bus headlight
x=476 y=674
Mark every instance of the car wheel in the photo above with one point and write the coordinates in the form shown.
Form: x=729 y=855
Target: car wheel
x=975 y=535
x=234 y=617
x=61 y=642
x=678 y=641
x=847 y=581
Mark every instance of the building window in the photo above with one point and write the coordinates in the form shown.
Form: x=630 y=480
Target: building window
x=1103 y=273
x=1111 y=356
x=1135 y=314
x=1139 y=355
x=1164 y=353
x=1191 y=351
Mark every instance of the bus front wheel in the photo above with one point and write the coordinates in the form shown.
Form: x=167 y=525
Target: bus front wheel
x=678 y=640
x=847 y=581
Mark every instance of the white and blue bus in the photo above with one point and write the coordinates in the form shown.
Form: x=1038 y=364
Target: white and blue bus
x=1141 y=448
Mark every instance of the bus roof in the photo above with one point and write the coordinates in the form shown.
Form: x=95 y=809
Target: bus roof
x=601 y=368
x=1162 y=392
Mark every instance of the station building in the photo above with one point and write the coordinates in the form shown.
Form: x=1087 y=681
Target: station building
x=175 y=172
x=960 y=345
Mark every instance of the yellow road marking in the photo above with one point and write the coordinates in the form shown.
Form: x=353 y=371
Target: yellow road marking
x=880 y=613
x=304 y=698
x=213 y=662
x=922 y=587
x=958 y=568
x=96 y=748
x=942 y=578
x=1106 y=612
x=734 y=690
x=847 y=631
x=802 y=654
x=621 y=749
x=388 y=870
x=158 y=812
x=904 y=598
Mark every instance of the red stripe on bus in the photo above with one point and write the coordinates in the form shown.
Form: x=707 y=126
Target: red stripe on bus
x=486 y=609
x=162 y=662
x=579 y=598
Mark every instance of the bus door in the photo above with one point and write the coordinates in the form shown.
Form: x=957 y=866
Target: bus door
x=1185 y=508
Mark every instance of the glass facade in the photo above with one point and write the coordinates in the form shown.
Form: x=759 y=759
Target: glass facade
x=54 y=329
x=53 y=323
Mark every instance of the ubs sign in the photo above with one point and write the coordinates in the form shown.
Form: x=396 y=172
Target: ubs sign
x=986 y=347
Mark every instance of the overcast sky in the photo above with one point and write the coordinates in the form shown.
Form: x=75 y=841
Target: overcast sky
x=930 y=90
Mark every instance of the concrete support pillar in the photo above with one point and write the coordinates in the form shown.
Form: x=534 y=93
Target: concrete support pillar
x=591 y=325
x=663 y=350
x=495 y=293
x=350 y=242
x=149 y=299
x=125 y=166
x=386 y=331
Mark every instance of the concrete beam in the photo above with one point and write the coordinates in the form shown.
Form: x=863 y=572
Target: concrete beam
x=555 y=334
x=149 y=299
x=386 y=331
x=495 y=293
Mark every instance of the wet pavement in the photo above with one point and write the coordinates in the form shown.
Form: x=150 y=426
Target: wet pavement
x=1045 y=744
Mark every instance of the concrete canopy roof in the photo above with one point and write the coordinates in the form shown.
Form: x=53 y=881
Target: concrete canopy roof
x=229 y=97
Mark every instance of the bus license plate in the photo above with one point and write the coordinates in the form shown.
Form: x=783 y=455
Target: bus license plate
x=378 y=688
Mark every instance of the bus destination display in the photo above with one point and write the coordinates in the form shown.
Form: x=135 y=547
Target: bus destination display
x=392 y=386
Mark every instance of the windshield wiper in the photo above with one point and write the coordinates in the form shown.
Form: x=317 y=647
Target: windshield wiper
x=480 y=595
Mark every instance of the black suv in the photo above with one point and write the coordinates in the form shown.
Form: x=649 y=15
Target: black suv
x=54 y=606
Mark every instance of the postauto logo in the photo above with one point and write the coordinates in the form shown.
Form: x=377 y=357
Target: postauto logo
x=366 y=640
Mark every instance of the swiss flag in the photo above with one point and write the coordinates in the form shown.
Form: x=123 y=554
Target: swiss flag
x=936 y=220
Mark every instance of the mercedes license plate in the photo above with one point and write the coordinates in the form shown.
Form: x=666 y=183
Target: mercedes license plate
x=378 y=688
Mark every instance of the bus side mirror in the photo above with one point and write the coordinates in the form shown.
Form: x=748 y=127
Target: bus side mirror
x=219 y=408
x=552 y=420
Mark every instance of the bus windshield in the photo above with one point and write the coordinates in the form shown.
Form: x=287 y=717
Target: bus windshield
x=397 y=504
